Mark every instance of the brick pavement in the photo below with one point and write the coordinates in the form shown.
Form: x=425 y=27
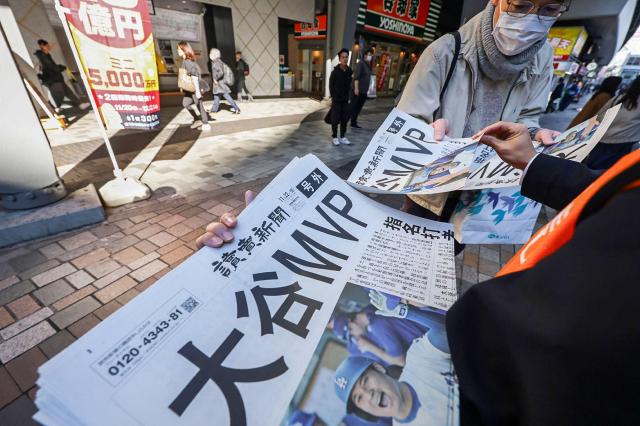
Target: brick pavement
x=54 y=290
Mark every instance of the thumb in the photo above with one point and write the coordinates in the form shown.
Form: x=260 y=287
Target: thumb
x=546 y=138
x=249 y=196
x=438 y=130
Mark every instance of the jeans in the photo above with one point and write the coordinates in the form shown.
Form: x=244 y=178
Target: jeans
x=242 y=86
x=191 y=99
x=339 y=115
x=227 y=97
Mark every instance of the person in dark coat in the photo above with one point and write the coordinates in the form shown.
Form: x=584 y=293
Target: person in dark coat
x=51 y=77
x=361 y=81
x=557 y=92
x=339 y=83
x=555 y=338
x=242 y=71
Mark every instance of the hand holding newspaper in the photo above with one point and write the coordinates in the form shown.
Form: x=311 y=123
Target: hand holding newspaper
x=403 y=157
x=249 y=334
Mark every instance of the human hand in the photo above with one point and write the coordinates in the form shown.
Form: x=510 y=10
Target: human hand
x=440 y=128
x=511 y=141
x=379 y=301
x=218 y=233
x=355 y=90
x=546 y=136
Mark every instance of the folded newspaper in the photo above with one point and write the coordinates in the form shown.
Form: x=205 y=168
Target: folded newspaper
x=327 y=305
x=403 y=157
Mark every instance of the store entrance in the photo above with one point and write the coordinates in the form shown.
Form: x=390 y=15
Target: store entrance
x=310 y=71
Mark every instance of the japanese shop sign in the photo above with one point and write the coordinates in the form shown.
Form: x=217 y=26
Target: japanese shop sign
x=115 y=43
x=567 y=41
x=398 y=18
x=317 y=30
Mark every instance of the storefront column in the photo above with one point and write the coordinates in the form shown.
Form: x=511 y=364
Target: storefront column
x=28 y=176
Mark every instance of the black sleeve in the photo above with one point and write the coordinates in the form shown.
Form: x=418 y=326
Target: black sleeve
x=555 y=181
x=332 y=82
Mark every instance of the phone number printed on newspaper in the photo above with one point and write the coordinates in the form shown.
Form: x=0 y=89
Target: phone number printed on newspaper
x=123 y=357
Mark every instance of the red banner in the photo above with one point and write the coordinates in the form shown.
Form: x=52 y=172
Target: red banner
x=115 y=43
x=311 y=31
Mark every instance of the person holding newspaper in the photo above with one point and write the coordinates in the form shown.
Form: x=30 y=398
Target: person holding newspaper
x=497 y=66
x=570 y=287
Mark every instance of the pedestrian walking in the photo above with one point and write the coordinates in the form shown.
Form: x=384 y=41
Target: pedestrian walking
x=555 y=95
x=193 y=86
x=242 y=72
x=339 y=84
x=361 y=82
x=221 y=76
x=607 y=90
x=51 y=77
x=622 y=134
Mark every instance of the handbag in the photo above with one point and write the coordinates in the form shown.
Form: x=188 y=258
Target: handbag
x=184 y=81
x=371 y=93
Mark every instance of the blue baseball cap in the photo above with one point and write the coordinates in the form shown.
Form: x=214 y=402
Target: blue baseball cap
x=300 y=418
x=341 y=325
x=347 y=375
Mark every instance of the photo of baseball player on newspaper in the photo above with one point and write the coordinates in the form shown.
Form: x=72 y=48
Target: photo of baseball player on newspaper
x=382 y=360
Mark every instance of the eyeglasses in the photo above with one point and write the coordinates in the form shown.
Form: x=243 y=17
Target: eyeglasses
x=548 y=12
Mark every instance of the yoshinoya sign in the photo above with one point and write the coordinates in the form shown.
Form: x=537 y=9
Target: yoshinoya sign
x=396 y=18
x=316 y=30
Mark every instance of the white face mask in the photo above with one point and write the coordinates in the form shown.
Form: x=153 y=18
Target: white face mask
x=367 y=58
x=515 y=35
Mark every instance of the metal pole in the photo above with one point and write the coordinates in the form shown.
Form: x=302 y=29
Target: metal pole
x=65 y=24
x=122 y=189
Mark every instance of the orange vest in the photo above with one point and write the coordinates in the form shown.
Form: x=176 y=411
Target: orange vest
x=561 y=228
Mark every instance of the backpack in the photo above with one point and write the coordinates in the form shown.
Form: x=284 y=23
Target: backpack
x=227 y=75
x=246 y=68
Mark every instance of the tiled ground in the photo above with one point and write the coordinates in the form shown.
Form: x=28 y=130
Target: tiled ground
x=53 y=291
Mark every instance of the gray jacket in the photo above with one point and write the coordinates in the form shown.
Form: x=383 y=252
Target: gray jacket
x=526 y=101
x=219 y=87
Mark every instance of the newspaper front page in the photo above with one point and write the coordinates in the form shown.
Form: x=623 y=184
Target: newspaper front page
x=403 y=157
x=231 y=335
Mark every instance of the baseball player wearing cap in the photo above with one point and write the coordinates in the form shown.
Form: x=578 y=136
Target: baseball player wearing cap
x=384 y=339
x=426 y=393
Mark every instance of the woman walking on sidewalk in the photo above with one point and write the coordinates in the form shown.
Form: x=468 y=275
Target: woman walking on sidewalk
x=192 y=85
x=220 y=86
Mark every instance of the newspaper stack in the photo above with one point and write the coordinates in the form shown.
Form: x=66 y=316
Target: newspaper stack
x=321 y=288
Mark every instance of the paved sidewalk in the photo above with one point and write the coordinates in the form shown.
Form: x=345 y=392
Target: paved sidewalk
x=52 y=291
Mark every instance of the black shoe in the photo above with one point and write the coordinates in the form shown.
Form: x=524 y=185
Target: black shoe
x=356 y=126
